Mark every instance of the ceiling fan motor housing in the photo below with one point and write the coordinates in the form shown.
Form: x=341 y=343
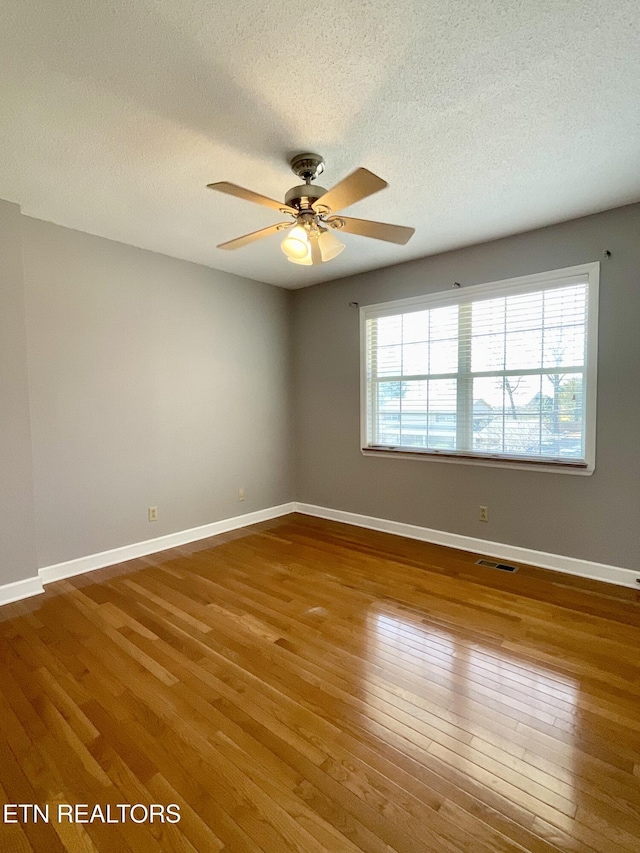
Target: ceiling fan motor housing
x=303 y=196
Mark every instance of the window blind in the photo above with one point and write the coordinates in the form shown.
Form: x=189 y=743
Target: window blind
x=497 y=371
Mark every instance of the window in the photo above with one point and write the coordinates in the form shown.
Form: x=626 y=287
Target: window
x=500 y=373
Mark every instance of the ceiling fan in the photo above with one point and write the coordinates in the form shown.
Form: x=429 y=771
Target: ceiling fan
x=313 y=210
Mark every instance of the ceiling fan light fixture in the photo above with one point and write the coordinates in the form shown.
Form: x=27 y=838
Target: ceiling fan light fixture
x=307 y=262
x=296 y=244
x=330 y=246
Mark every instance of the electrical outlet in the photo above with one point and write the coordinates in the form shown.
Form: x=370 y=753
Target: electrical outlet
x=483 y=514
x=153 y=513
x=240 y=494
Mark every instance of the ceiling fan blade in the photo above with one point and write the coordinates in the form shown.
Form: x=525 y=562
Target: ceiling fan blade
x=357 y=185
x=377 y=230
x=239 y=242
x=249 y=195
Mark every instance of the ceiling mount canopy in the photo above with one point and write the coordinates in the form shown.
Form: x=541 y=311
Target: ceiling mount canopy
x=307 y=166
x=310 y=240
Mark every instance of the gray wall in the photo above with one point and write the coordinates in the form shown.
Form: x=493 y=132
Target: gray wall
x=154 y=382
x=595 y=518
x=17 y=531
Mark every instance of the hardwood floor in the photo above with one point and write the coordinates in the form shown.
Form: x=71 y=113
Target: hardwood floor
x=303 y=685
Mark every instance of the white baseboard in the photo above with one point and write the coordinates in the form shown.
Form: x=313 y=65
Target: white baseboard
x=568 y=565
x=79 y=566
x=18 y=590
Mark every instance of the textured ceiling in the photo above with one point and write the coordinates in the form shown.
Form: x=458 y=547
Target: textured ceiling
x=486 y=118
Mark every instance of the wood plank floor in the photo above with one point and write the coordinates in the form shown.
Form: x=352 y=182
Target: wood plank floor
x=303 y=685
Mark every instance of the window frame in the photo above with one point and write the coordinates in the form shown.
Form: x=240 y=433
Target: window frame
x=505 y=287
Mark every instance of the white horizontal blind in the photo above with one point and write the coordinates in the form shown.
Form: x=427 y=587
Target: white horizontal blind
x=500 y=373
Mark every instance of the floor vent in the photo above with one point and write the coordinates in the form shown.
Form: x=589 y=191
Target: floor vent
x=504 y=567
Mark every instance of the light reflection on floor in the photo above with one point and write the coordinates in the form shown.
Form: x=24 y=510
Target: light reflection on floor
x=476 y=708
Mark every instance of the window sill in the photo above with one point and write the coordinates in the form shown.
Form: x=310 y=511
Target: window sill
x=560 y=467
